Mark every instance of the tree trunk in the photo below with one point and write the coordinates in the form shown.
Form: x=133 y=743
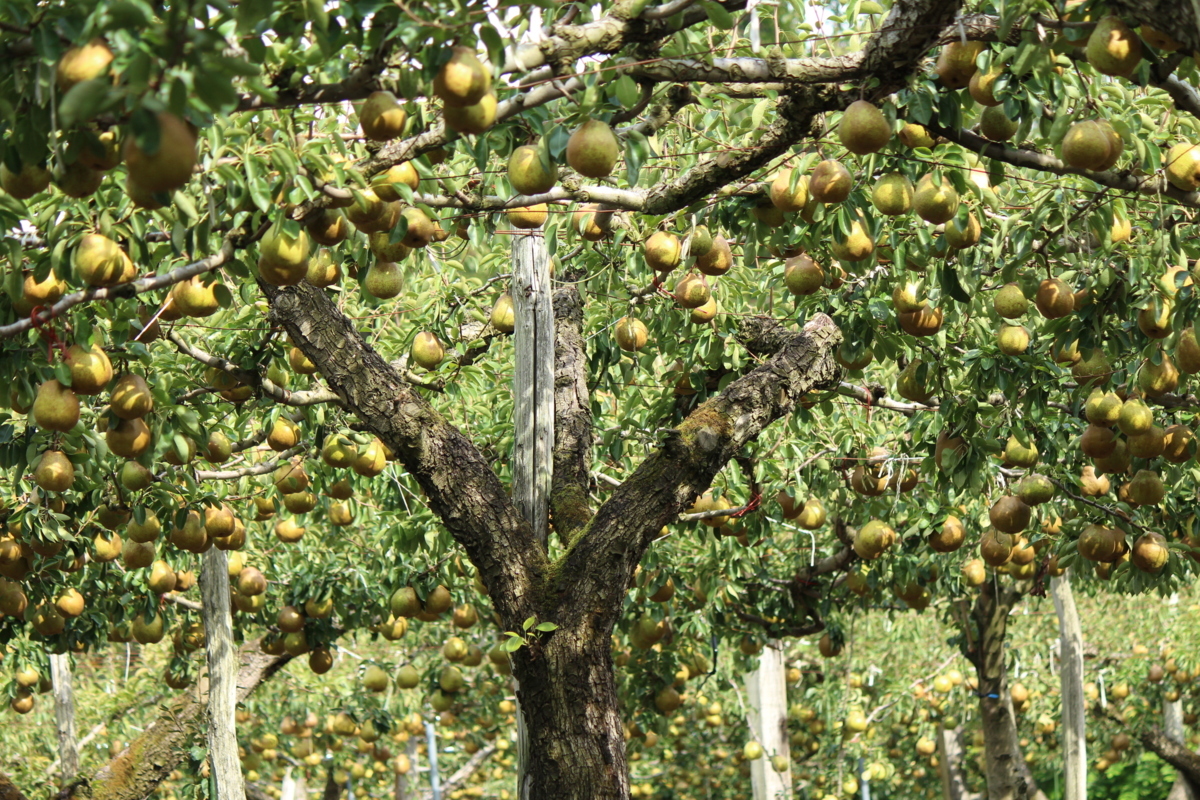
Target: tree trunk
x=1008 y=776
x=950 y=759
x=766 y=690
x=222 y=677
x=64 y=716
x=1070 y=657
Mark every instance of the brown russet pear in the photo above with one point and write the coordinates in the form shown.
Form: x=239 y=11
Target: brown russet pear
x=1178 y=444
x=131 y=397
x=168 y=167
x=1009 y=514
x=473 y=119
x=427 y=351
x=935 y=201
x=592 y=150
x=631 y=334
x=382 y=117
x=463 y=80
x=384 y=280
x=830 y=182
x=956 y=63
x=32 y=179
x=926 y=322
x=56 y=407
x=528 y=173
x=1054 y=298
x=783 y=196
x=78 y=180
x=82 y=63
x=1187 y=351
x=90 y=369
x=1113 y=48
x=692 y=291
x=863 y=128
x=996 y=125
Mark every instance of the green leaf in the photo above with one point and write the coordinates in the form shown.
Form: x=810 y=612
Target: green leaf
x=529 y=623
x=84 y=101
x=546 y=627
x=717 y=13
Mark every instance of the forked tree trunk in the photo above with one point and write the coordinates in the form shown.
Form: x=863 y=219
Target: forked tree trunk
x=1008 y=776
x=1071 y=680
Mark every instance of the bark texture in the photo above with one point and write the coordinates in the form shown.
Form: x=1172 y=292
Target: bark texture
x=1008 y=776
x=572 y=417
x=1172 y=752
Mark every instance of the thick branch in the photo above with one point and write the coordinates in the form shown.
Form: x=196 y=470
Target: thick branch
x=462 y=488
x=1172 y=752
x=572 y=417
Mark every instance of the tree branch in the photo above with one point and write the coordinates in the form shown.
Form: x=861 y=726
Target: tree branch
x=1172 y=752
x=244 y=472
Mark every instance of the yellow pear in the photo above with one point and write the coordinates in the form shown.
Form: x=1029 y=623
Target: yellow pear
x=463 y=80
x=82 y=63
x=474 y=119
x=56 y=407
x=381 y=117
x=593 y=150
x=863 y=128
x=168 y=166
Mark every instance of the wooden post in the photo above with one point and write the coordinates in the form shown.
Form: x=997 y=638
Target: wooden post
x=222 y=677
x=1070 y=657
x=64 y=716
x=533 y=410
x=766 y=688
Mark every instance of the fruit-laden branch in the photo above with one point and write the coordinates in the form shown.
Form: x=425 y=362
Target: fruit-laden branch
x=880 y=400
x=270 y=388
x=263 y=468
x=569 y=505
x=463 y=489
x=601 y=560
x=148 y=760
x=131 y=289
x=1030 y=159
x=1172 y=752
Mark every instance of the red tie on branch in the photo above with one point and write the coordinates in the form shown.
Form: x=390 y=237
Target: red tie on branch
x=47 y=333
x=753 y=505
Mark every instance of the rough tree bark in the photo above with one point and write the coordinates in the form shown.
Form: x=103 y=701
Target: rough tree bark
x=64 y=716
x=1008 y=776
x=222 y=677
x=1172 y=752
x=138 y=769
x=1070 y=658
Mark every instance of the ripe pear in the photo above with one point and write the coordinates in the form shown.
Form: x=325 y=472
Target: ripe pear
x=161 y=578
x=427 y=351
x=1113 y=48
x=503 y=317
x=283 y=257
x=338 y=450
x=288 y=532
x=802 y=275
x=1150 y=552
x=370 y=460
x=593 y=221
x=717 y=260
x=863 y=128
x=528 y=217
x=148 y=631
x=1054 y=298
x=528 y=173
x=783 y=196
x=662 y=251
x=1158 y=379
x=916 y=384
x=129 y=438
x=949 y=537
x=830 y=182
x=914 y=135
x=1012 y=340
x=1146 y=488
x=858 y=245
x=382 y=117
x=56 y=407
x=1187 y=351
x=195 y=297
x=1086 y=145
x=956 y=63
x=1019 y=455
x=328 y=227
x=994 y=124
x=873 y=539
x=99 y=261
x=82 y=63
x=23 y=185
x=631 y=334
x=592 y=150
x=135 y=477
x=1009 y=514
x=1135 y=418
x=982 y=86
x=964 y=234
x=1093 y=368
x=45 y=292
x=935 y=202
x=131 y=397
x=323 y=271
x=90 y=369
x=1150 y=444
x=692 y=291
x=1009 y=301
x=926 y=322
x=705 y=313
x=1182 y=163
x=463 y=80
x=893 y=194
x=384 y=280
x=1178 y=444
x=474 y=119
x=78 y=180
x=169 y=166
x=1103 y=408
x=145 y=531
x=853 y=357
x=54 y=472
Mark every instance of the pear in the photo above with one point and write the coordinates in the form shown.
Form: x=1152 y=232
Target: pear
x=1012 y=340
x=1093 y=368
x=830 y=182
x=1146 y=488
x=1158 y=379
x=382 y=118
x=78 y=180
x=935 y=202
x=148 y=631
x=56 y=407
x=1087 y=145
x=90 y=369
x=135 y=477
x=427 y=351
x=1135 y=417
x=802 y=275
x=982 y=86
x=420 y=228
x=129 y=438
x=863 y=128
x=1115 y=462
x=631 y=334
x=217 y=449
x=926 y=322
x=195 y=297
x=701 y=241
x=873 y=539
x=25 y=184
x=1019 y=455
x=1113 y=48
x=592 y=150
x=528 y=173
x=961 y=235
x=663 y=251
x=1182 y=163
x=783 y=196
x=893 y=194
x=1091 y=485
x=593 y=221
x=692 y=291
x=704 y=313
x=384 y=249
x=956 y=63
x=371 y=460
x=1150 y=444
x=950 y=537
x=131 y=398
x=915 y=384
x=1178 y=444
x=338 y=450
x=1150 y=552
x=946 y=442
x=341 y=514
x=384 y=280
x=299 y=362
x=1054 y=298
x=1009 y=301
x=82 y=63
x=385 y=183
x=474 y=119
x=323 y=271
x=288 y=532
x=99 y=261
x=914 y=135
x=1187 y=351
x=45 y=292
x=1097 y=441
x=283 y=258
x=369 y=213
x=170 y=165
x=718 y=259
x=161 y=579
x=284 y=434
x=1009 y=514
x=1035 y=489
x=463 y=80
x=101 y=151
x=853 y=357
x=1103 y=408
x=858 y=245
x=328 y=227
x=528 y=217
x=54 y=472
x=503 y=317
x=994 y=124
x=906 y=297
x=341 y=489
